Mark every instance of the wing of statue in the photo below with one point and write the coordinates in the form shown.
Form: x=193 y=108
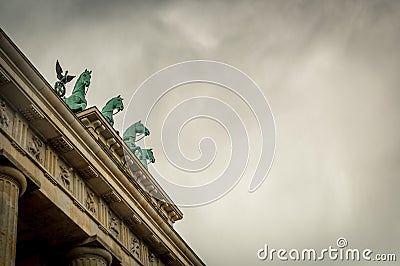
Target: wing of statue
x=59 y=70
x=69 y=78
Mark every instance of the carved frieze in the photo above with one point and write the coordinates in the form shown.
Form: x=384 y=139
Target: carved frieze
x=35 y=146
x=152 y=257
x=4 y=118
x=90 y=202
x=114 y=224
x=135 y=246
x=65 y=174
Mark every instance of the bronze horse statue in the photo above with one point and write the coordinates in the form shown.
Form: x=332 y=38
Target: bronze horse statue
x=108 y=110
x=77 y=101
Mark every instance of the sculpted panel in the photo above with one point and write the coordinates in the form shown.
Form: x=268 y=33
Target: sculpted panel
x=36 y=147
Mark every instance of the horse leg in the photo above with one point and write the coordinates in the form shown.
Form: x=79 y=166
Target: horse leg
x=75 y=103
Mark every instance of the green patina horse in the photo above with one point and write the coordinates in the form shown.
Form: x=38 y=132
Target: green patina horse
x=129 y=137
x=144 y=155
x=131 y=132
x=77 y=101
x=108 y=110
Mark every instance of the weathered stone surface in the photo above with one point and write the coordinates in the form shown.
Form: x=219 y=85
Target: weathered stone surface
x=12 y=185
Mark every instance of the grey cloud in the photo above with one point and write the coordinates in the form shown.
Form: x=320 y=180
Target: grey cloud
x=329 y=70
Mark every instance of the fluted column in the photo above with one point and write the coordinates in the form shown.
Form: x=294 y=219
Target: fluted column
x=12 y=186
x=89 y=256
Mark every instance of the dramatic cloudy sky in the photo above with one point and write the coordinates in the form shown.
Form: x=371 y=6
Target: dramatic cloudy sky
x=330 y=72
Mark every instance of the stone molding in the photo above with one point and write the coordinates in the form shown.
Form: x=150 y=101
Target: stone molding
x=4 y=79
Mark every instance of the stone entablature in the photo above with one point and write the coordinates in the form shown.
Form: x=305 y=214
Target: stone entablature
x=68 y=158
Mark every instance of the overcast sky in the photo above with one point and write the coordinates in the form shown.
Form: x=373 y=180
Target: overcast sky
x=330 y=72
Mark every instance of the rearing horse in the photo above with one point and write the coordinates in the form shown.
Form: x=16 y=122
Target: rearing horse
x=108 y=110
x=77 y=101
x=130 y=133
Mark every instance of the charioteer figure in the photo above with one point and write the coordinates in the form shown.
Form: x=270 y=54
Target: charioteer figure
x=63 y=79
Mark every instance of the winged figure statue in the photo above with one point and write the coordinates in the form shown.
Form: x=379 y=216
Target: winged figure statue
x=63 y=79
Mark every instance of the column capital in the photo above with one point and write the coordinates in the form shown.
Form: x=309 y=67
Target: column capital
x=14 y=175
x=87 y=253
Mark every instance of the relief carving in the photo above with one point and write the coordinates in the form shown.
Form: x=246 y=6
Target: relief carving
x=4 y=119
x=34 y=147
x=64 y=176
x=152 y=257
x=90 y=203
x=135 y=246
x=114 y=224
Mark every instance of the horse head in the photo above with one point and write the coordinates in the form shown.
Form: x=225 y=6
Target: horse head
x=85 y=77
x=82 y=82
x=114 y=104
x=118 y=104
x=140 y=128
x=130 y=133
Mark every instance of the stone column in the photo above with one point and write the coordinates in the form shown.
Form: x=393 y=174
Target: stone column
x=89 y=256
x=12 y=186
